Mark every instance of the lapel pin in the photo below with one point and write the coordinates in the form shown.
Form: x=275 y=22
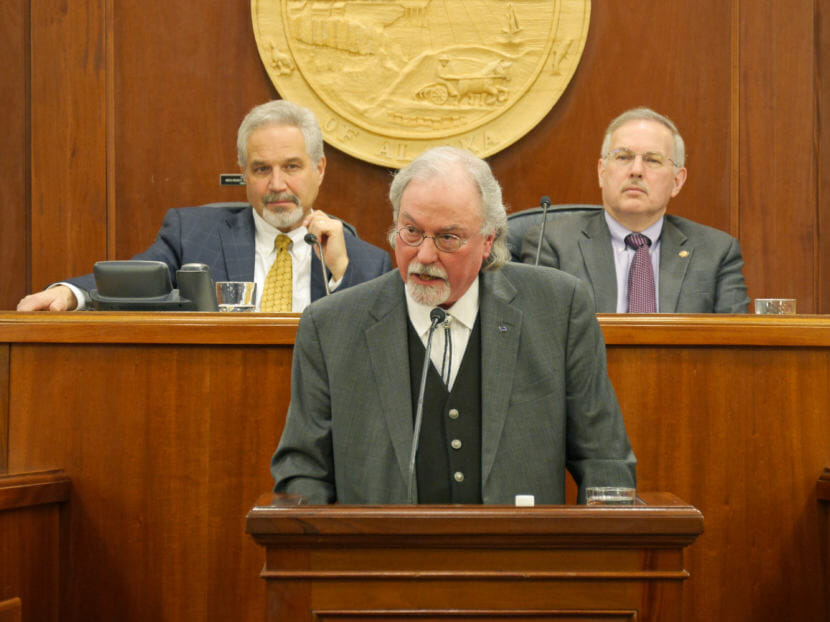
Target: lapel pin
x=502 y=328
x=683 y=253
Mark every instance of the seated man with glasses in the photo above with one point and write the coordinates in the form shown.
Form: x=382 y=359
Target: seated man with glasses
x=633 y=256
x=515 y=388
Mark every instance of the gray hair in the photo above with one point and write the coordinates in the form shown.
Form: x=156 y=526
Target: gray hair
x=647 y=114
x=436 y=163
x=280 y=112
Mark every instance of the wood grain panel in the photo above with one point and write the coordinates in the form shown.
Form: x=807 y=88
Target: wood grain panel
x=68 y=121
x=10 y=610
x=186 y=73
x=823 y=494
x=728 y=412
x=721 y=427
x=14 y=152
x=823 y=155
x=30 y=544
x=168 y=447
x=4 y=407
x=778 y=166
x=475 y=562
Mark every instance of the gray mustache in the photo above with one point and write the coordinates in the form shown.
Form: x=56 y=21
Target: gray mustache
x=281 y=196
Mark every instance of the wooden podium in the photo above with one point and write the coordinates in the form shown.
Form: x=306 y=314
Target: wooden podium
x=474 y=563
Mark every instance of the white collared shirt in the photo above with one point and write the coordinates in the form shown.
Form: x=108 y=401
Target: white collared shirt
x=300 y=251
x=463 y=317
x=623 y=256
x=300 y=261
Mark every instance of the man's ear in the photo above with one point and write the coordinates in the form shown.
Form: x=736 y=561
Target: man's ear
x=679 y=180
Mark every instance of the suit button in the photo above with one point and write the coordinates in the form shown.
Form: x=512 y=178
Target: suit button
x=455 y=443
x=453 y=413
x=458 y=476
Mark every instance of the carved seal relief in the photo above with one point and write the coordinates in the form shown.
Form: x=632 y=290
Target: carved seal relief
x=389 y=79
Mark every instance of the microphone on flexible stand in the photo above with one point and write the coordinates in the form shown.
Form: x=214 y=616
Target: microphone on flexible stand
x=436 y=316
x=545 y=203
x=310 y=238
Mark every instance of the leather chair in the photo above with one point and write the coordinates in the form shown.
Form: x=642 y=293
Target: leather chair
x=519 y=222
x=346 y=226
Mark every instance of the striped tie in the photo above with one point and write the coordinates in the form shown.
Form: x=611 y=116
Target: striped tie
x=276 y=295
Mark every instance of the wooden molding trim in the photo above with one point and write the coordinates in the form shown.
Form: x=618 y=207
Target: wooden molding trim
x=37 y=488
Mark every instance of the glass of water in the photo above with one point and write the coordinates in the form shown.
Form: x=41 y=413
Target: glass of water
x=610 y=495
x=236 y=295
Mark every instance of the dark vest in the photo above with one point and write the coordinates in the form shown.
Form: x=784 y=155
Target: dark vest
x=448 y=463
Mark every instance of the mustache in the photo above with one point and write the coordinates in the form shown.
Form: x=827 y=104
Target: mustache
x=281 y=196
x=427 y=269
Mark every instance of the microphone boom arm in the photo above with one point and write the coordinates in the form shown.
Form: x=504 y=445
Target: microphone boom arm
x=310 y=238
x=545 y=202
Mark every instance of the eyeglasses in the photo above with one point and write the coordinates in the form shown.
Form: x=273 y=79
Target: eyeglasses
x=625 y=157
x=446 y=242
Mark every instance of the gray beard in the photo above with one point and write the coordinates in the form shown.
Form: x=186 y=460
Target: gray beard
x=426 y=295
x=286 y=219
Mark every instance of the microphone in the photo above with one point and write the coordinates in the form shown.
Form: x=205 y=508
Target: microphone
x=545 y=203
x=311 y=239
x=436 y=316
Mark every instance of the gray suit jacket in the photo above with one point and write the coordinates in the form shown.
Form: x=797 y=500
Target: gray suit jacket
x=547 y=402
x=223 y=238
x=707 y=278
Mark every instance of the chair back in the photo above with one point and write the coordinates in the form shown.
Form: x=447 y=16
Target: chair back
x=347 y=227
x=519 y=222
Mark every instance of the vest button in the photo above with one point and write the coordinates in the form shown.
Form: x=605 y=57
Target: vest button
x=455 y=443
x=453 y=413
x=458 y=476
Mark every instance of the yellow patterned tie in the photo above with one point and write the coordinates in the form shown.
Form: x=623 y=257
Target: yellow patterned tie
x=276 y=295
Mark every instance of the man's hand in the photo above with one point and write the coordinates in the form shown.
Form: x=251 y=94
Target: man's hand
x=330 y=233
x=58 y=298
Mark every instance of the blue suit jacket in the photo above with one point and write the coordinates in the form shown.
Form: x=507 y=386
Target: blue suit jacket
x=223 y=238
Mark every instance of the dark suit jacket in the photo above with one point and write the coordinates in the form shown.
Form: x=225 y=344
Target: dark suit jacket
x=700 y=267
x=547 y=402
x=223 y=238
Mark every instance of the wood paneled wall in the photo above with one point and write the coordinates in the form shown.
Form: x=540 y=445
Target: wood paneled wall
x=116 y=112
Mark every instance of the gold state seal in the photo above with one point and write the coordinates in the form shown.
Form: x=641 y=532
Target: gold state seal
x=389 y=79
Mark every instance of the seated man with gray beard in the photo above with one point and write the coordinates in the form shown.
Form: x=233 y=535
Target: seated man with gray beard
x=517 y=389
x=280 y=151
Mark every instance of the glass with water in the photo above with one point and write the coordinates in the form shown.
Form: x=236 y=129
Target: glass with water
x=239 y=296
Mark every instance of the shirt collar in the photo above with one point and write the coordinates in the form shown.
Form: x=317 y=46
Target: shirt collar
x=266 y=233
x=464 y=310
x=618 y=231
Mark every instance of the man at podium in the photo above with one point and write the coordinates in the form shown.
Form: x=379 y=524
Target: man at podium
x=516 y=390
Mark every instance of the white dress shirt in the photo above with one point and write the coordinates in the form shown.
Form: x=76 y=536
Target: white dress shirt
x=461 y=318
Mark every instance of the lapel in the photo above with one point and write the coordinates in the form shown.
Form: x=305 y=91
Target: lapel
x=501 y=325
x=597 y=255
x=385 y=330
x=672 y=266
x=238 y=239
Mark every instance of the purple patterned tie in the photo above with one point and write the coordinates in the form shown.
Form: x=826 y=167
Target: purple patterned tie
x=640 y=276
